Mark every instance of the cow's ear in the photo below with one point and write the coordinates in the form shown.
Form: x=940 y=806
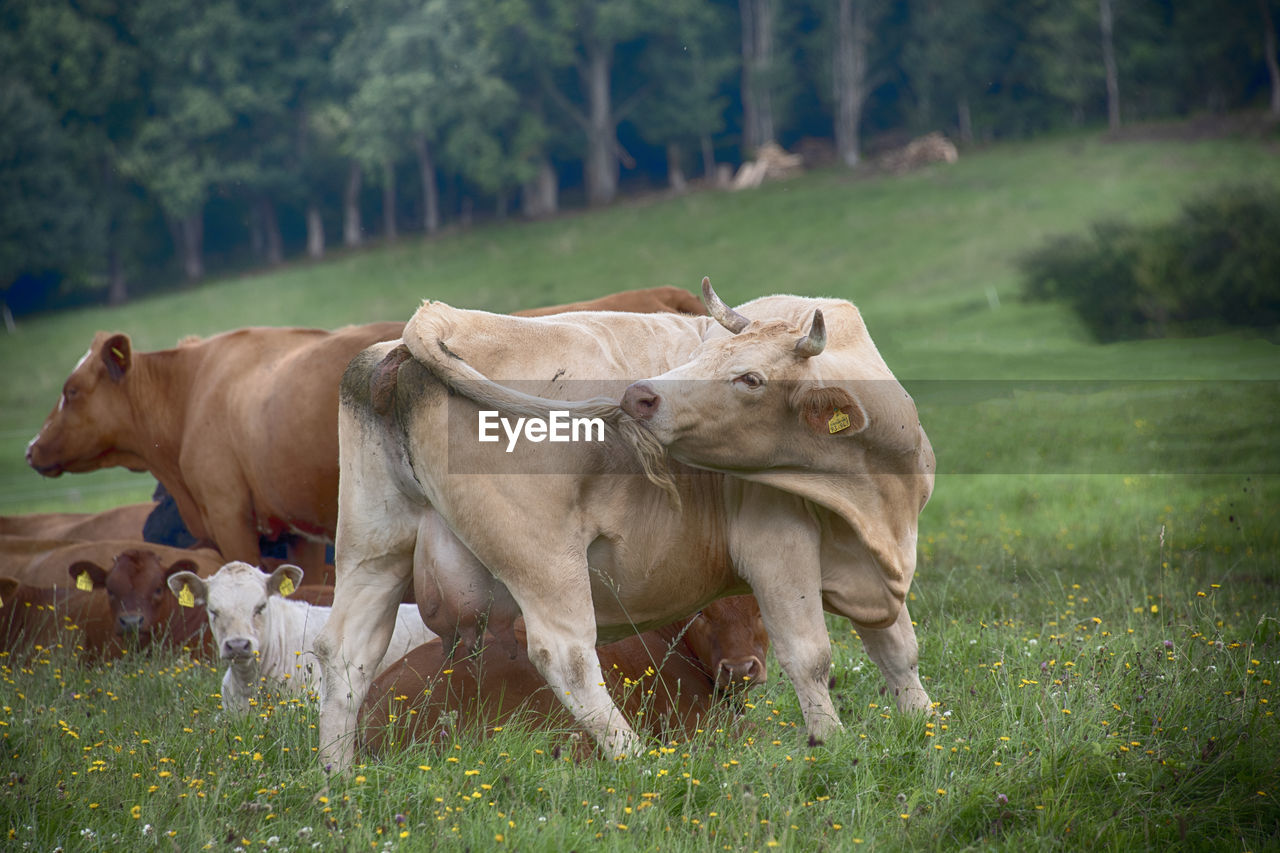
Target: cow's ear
x=183 y=565
x=284 y=580
x=190 y=589
x=87 y=576
x=117 y=355
x=830 y=410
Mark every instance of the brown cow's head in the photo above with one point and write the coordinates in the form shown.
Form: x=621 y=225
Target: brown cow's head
x=728 y=637
x=136 y=587
x=82 y=431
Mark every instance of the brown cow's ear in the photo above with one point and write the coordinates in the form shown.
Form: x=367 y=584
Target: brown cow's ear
x=87 y=576
x=117 y=355
x=832 y=411
x=183 y=565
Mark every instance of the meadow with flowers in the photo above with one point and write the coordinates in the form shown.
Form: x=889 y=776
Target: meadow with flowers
x=1097 y=599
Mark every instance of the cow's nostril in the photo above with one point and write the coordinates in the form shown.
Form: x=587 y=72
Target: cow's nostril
x=640 y=401
x=130 y=622
x=237 y=647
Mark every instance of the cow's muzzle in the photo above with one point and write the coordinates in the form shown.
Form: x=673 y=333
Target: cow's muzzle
x=640 y=401
x=44 y=469
x=129 y=623
x=237 y=649
x=740 y=674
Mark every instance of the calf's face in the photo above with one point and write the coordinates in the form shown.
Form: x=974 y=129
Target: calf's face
x=81 y=433
x=236 y=599
x=136 y=588
x=729 y=638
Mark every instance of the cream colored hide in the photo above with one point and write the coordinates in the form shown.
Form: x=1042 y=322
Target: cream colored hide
x=261 y=633
x=801 y=516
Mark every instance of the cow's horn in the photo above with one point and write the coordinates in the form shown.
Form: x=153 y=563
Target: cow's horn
x=816 y=341
x=723 y=314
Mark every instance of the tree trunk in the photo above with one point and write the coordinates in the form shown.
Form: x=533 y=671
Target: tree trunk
x=191 y=245
x=675 y=174
x=1109 y=63
x=351 y=229
x=271 y=231
x=1269 y=48
x=540 y=196
x=708 y=158
x=430 y=192
x=315 y=231
x=602 y=139
x=965 y=119
x=849 y=74
x=389 y=201
x=757 y=56
x=501 y=201
x=117 y=286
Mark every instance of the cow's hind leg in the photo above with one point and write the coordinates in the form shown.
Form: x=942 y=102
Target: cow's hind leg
x=894 y=651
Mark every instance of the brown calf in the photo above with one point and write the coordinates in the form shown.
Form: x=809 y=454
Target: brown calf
x=665 y=680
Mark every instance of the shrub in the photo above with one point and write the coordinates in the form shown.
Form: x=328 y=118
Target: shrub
x=1216 y=266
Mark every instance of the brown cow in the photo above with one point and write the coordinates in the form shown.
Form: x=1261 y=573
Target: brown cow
x=666 y=679
x=35 y=618
x=122 y=522
x=44 y=562
x=136 y=586
x=241 y=428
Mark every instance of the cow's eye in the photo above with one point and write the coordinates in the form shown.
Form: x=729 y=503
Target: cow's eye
x=750 y=381
x=257 y=611
x=213 y=614
x=70 y=393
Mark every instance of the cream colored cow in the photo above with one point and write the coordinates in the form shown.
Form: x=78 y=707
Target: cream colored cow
x=808 y=497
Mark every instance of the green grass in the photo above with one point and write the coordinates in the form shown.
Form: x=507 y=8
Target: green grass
x=1098 y=594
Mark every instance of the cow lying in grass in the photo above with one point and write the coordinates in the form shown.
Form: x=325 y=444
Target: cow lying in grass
x=666 y=680
x=263 y=635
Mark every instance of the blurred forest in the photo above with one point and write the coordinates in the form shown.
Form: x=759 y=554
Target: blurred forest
x=144 y=143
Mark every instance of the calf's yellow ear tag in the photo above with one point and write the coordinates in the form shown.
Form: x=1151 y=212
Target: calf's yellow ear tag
x=83 y=582
x=186 y=598
x=286 y=586
x=838 y=421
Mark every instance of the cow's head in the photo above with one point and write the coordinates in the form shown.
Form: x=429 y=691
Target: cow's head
x=82 y=431
x=728 y=637
x=731 y=405
x=235 y=598
x=135 y=586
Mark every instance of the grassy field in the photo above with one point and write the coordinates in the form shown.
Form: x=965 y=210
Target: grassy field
x=1097 y=600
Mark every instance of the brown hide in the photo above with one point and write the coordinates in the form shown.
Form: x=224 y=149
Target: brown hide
x=44 y=562
x=241 y=428
x=143 y=611
x=663 y=683
x=34 y=617
x=124 y=522
x=653 y=300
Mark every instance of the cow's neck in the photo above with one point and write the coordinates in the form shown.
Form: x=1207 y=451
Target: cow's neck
x=160 y=418
x=292 y=628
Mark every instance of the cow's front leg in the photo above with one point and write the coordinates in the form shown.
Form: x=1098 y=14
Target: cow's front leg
x=353 y=643
x=895 y=652
x=775 y=546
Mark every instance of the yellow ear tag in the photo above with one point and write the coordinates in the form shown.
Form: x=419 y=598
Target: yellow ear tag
x=84 y=582
x=838 y=422
x=286 y=586
x=186 y=598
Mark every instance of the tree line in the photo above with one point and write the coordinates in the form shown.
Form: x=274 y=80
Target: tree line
x=146 y=141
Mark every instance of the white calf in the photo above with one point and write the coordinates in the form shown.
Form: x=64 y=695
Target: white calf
x=262 y=634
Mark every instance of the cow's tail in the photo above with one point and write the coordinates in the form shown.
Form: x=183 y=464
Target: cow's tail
x=453 y=371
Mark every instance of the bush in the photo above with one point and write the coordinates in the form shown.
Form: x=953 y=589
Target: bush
x=1216 y=266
